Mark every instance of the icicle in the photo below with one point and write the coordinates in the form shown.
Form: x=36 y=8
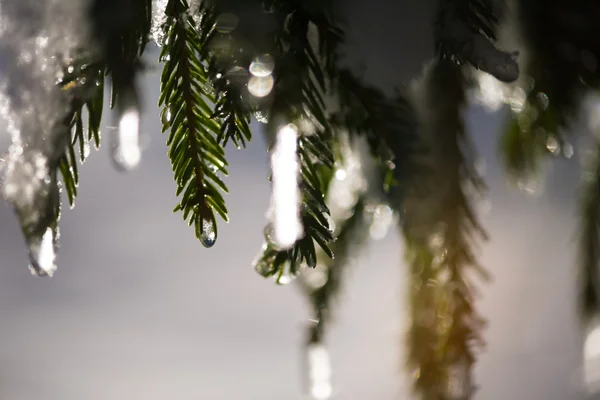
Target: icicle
x=39 y=41
x=157 y=32
x=319 y=370
x=127 y=153
x=285 y=201
x=208 y=231
x=42 y=253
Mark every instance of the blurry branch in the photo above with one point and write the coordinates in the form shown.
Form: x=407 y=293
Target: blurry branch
x=298 y=98
x=465 y=32
x=440 y=231
x=559 y=51
x=388 y=124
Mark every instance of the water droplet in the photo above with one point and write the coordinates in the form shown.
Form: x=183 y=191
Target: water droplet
x=127 y=153
x=263 y=266
x=552 y=145
x=543 y=100
x=262 y=66
x=285 y=278
x=316 y=277
x=260 y=86
x=42 y=253
x=226 y=23
x=166 y=115
x=165 y=58
x=568 y=150
x=340 y=174
x=208 y=232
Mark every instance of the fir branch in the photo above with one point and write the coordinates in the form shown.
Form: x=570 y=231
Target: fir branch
x=388 y=124
x=300 y=82
x=538 y=128
x=465 y=32
x=84 y=87
x=227 y=75
x=196 y=155
x=440 y=232
x=122 y=29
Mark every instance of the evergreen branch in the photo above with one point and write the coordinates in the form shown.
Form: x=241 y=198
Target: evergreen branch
x=298 y=98
x=84 y=87
x=226 y=79
x=589 y=301
x=196 y=155
x=388 y=124
x=538 y=128
x=440 y=232
x=465 y=32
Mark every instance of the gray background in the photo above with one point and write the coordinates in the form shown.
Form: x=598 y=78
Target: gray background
x=140 y=310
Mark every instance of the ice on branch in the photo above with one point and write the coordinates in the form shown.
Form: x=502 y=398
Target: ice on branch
x=39 y=41
x=284 y=213
x=127 y=153
x=158 y=19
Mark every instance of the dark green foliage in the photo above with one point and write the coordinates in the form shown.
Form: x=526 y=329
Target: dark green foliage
x=196 y=155
x=559 y=51
x=388 y=124
x=300 y=84
x=85 y=89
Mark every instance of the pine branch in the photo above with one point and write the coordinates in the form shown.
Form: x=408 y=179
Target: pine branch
x=388 y=124
x=465 y=32
x=300 y=82
x=440 y=232
x=538 y=128
x=226 y=76
x=84 y=86
x=196 y=155
x=122 y=28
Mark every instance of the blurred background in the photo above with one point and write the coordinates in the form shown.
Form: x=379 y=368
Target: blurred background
x=138 y=309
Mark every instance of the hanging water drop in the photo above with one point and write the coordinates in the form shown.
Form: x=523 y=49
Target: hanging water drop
x=166 y=115
x=42 y=253
x=552 y=145
x=208 y=231
x=319 y=371
x=285 y=201
x=568 y=150
x=127 y=153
